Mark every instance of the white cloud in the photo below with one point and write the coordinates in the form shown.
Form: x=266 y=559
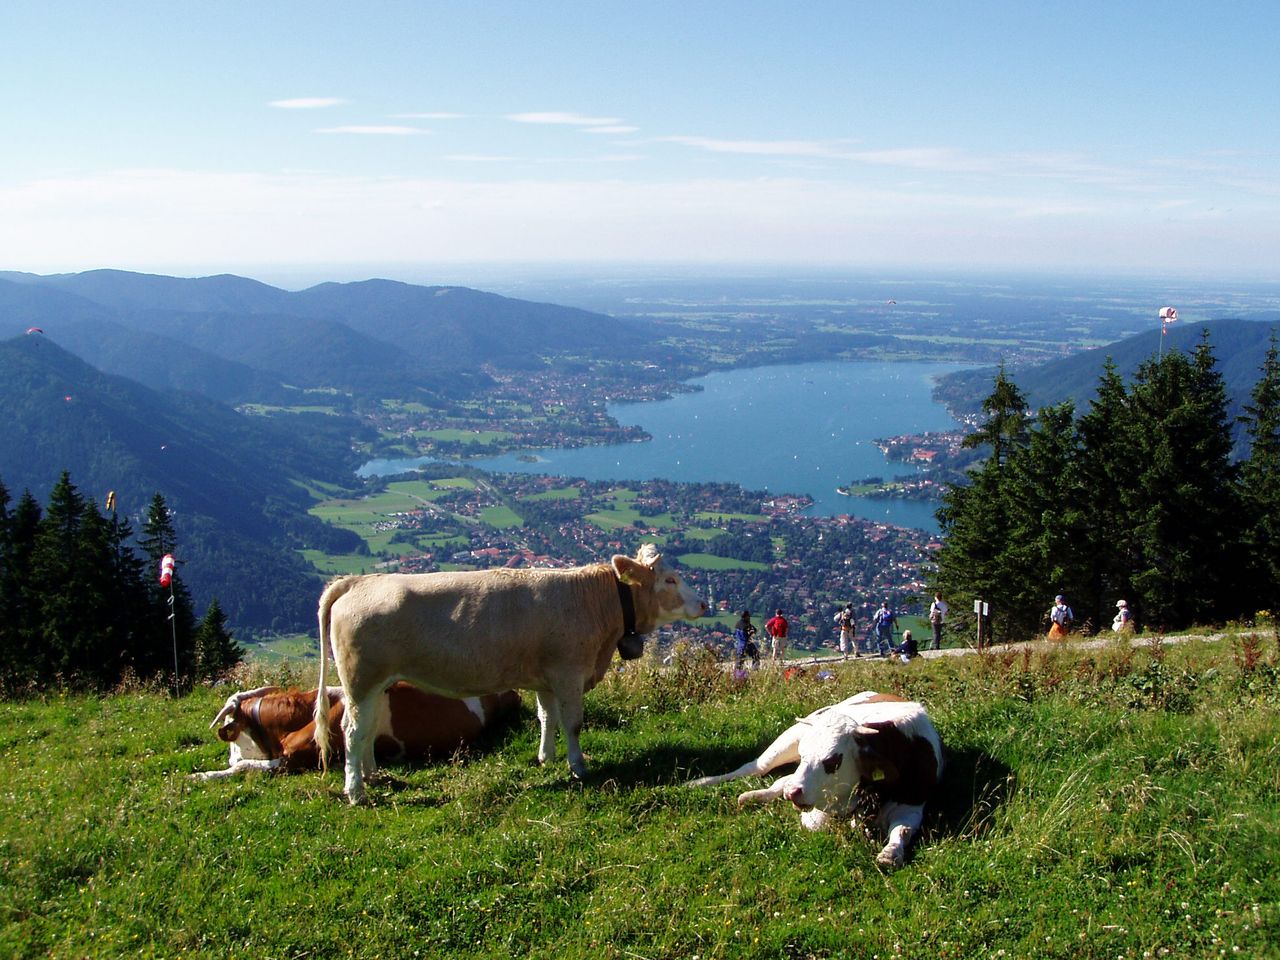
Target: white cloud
x=572 y=119
x=377 y=131
x=769 y=148
x=428 y=116
x=307 y=103
x=612 y=128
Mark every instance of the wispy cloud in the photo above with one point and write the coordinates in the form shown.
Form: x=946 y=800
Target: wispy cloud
x=428 y=116
x=376 y=131
x=307 y=103
x=611 y=128
x=768 y=148
x=570 y=119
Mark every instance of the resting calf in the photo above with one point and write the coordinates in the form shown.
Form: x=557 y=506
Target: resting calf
x=274 y=729
x=871 y=751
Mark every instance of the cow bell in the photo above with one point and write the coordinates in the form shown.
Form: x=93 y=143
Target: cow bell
x=631 y=646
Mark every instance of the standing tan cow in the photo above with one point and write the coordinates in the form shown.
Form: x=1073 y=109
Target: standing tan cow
x=470 y=633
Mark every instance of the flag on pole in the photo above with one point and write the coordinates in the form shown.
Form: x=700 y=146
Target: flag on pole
x=166 y=570
x=1167 y=316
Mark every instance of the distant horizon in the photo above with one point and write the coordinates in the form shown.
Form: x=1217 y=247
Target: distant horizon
x=296 y=277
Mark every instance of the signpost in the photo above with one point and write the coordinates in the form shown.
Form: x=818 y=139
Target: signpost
x=982 y=609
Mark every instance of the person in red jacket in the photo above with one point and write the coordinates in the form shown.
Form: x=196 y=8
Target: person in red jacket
x=777 y=627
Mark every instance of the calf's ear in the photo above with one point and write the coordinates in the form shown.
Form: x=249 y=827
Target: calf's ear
x=632 y=572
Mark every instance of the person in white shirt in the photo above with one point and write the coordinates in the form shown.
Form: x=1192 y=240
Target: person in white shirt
x=937 y=616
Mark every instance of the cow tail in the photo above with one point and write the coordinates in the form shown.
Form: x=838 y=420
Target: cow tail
x=331 y=593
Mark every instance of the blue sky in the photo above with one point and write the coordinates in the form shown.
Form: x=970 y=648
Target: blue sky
x=258 y=137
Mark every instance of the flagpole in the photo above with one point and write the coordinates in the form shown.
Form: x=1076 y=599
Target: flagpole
x=173 y=626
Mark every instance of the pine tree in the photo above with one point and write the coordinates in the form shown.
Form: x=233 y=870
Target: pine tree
x=62 y=628
x=20 y=663
x=1106 y=471
x=1042 y=551
x=1260 y=486
x=1183 y=500
x=160 y=538
x=1005 y=428
x=216 y=650
x=976 y=520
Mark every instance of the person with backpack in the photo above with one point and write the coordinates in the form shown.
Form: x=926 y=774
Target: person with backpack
x=743 y=644
x=848 y=641
x=884 y=621
x=938 y=611
x=1060 y=617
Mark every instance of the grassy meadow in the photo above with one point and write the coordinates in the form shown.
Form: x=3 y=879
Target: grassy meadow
x=1112 y=803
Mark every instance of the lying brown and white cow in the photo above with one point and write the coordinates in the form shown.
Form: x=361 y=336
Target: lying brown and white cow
x=474 y=632
x=274 y=729
x=872 y=754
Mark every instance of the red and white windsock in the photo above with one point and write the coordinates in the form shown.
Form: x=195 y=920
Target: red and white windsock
x=166 y=570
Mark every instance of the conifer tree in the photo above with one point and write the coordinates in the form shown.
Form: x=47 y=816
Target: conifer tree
x=216 y=649
x=976 y=519
x=1106 y=469
x=1005 y=428
x=158 y=538
x=53 y=559
x=1183 y=496
x=1045 y=507
x=1260 y=486
x=19 y=661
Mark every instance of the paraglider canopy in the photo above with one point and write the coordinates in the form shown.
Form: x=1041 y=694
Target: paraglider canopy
x=31 y=330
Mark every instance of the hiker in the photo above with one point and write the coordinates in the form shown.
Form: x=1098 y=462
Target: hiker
x=1060 y=617
x=844 y=619
x=884 y=621
x=743 y=644
x=776 y=628
x=1123 y=623
x=938 y=611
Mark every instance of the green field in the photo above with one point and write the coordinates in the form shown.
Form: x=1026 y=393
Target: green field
x=1105 y=804
x=710 y=561
x=502 y=517
x=464 y=436
x=559 y=493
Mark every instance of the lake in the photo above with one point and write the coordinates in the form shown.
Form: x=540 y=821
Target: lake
x=799 y=428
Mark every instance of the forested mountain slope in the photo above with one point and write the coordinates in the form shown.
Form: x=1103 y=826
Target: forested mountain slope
x=232 y=481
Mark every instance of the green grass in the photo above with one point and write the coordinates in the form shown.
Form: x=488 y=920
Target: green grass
x=464 y=436
x=710 y=561
x=1106 y=804
x=559 y=493
x=500 y=516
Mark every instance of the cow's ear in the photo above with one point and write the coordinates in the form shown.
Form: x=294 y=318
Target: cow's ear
x=632 y=572
x=228 y=732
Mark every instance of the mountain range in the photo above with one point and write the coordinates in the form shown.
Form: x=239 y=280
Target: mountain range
x=128 y=381
x=1239 y=347
x=238 y=340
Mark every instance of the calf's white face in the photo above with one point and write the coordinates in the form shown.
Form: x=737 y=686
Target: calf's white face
x=829 y=769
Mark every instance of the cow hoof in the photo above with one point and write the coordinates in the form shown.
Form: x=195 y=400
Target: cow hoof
x=890 y=861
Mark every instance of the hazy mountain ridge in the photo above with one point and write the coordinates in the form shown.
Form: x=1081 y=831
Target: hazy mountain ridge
x=373 y=335
x=1239 y=347
x=232 y=481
